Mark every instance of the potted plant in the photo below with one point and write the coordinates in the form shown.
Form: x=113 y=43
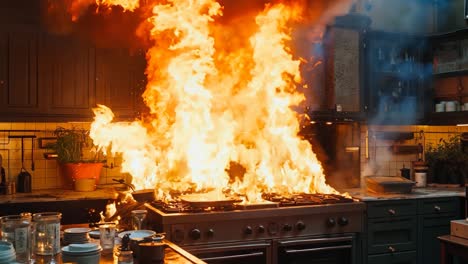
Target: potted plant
x=448 y=162
x=79 y=167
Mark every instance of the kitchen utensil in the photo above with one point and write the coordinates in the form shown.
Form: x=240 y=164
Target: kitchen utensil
x=32 y=154
x=24 y=177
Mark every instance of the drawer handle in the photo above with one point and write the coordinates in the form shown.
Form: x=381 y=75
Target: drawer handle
x=391 y=212
x=391 y=249
x=437 y=208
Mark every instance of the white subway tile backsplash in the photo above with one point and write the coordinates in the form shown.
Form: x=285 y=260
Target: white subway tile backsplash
x=47 y=173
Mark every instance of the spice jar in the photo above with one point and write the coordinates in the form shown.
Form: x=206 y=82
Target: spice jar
x=16 y=230
x=46 y=237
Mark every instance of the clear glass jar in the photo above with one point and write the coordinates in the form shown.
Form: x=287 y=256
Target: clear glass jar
x=17 y=230
x=125 y=257
x=46 y=235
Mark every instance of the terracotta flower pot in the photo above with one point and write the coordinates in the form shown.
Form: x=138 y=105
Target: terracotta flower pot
x=73 y=171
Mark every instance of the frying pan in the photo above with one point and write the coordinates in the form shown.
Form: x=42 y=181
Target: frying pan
x=144 y=195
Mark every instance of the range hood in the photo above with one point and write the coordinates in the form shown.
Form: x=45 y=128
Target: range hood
x=344 y=59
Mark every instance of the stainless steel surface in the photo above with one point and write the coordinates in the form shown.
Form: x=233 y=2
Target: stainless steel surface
x=263 y=235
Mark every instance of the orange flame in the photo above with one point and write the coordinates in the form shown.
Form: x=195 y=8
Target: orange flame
x=223 y=117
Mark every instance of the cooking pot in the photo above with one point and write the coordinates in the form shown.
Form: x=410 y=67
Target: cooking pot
x=151 y=252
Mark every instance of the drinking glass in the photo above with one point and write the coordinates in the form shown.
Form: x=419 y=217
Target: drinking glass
x=16 y=230
x=138 y=219
x=46 y=235
x=107 y=237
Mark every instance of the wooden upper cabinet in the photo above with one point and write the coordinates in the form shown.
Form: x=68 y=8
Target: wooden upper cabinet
x=120 y=80
x=67 y=75
x=19 y=73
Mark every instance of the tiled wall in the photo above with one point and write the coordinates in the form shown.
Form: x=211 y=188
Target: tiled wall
x=46 y=174
x=383 y=161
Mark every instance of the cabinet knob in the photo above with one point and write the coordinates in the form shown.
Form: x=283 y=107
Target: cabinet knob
x=391 y=249
x=437 y=208
x=391 y=211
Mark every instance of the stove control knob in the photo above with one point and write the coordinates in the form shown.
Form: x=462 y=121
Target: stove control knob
x=331 y=222
x=261 y=229
x=195 y=234
x=272 y=228
x=300 y=226
x=248 y=230
x=210 y=232
x=342 y=221
x=287 y=227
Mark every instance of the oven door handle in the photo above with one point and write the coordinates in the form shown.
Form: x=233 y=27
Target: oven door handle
x=318 y=249
x=346 y=239
x=238 y=256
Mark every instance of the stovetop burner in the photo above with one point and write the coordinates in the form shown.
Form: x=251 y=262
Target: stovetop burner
x=306 y=199
x=272 y=200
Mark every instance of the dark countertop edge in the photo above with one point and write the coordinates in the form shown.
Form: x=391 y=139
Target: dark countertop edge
x=56 y=195
x=418 y=193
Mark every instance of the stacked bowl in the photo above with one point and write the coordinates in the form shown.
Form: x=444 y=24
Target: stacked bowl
x=7 y=253
x=87 y=253
x=77 y=235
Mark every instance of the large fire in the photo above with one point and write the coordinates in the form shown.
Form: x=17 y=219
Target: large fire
x=221 y=104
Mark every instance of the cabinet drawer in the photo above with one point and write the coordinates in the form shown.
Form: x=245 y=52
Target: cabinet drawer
x=439 y=205
x=391 y=234
x=391 y=208
x=393 y=258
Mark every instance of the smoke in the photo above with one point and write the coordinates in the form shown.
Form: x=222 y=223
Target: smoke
x=401 y=57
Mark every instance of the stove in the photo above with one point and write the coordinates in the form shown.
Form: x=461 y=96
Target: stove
x=298 y=225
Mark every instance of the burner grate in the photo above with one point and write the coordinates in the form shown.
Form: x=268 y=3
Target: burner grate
x=272 y=200
x=306 y=199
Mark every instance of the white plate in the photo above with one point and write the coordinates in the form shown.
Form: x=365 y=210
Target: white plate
x=80 y=249
x=77 y=230
x=137 y=234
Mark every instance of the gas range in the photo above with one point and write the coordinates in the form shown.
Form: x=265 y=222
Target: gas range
x=278 y=217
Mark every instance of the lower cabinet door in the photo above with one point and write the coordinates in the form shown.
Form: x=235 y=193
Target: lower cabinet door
x=408 y=257
x=432 y=226
x=392 y=235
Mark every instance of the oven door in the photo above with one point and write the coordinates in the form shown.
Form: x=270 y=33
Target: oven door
x=323 y=250
x=249 y=252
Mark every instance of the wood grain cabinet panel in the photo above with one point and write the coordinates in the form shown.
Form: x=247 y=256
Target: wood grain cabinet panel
x=67 y=75
x=120 y=80
x=19 y=73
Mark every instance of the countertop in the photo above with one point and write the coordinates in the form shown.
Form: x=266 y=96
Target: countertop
x=50 y=195
x=417 y=193
x=173 y=253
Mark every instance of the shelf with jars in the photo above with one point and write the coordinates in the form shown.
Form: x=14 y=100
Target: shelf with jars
x=397 y=75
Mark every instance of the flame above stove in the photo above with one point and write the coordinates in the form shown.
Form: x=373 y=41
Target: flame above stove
x=220 y=95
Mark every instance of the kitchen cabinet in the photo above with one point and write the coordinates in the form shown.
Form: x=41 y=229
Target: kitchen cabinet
x=434 y=220
x=396 y=78
x=46 y=77
x=406 y=230
x=73 y=212
x=120 y=80
x=67 y=75
x=450 y=77
x=19 y=74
